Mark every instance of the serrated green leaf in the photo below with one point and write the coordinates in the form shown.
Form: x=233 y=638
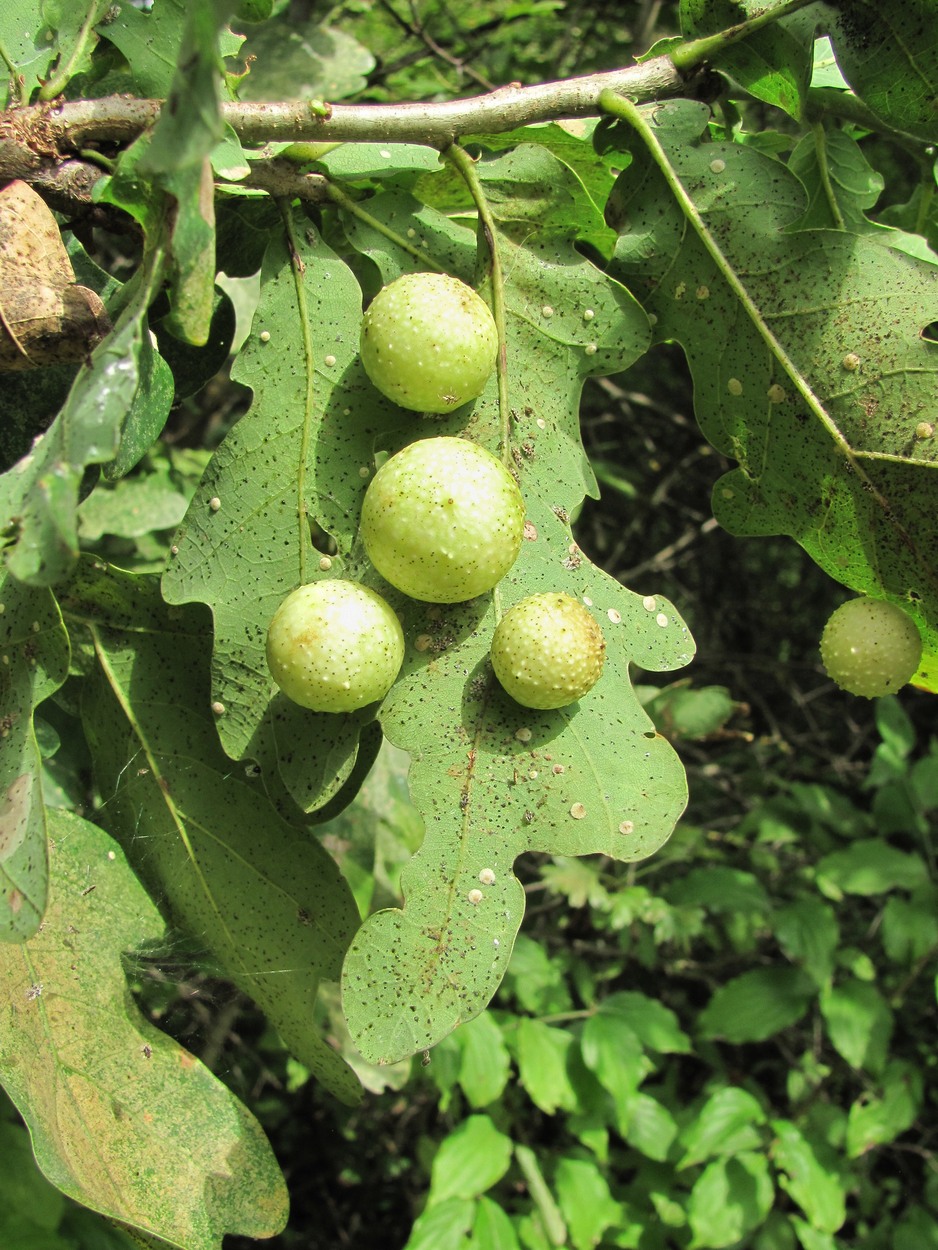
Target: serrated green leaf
x=652 y=1128
x=757 y=1004
x=879 y=1116
x=34 y=657
x=910 y=926
x=263 y=897
x=491 y=1228
x=585 y=1201
x=870 y=866
x=720 y=889
x=859 y=1023
x=484 y=1061
x=543 y=1054
x=614 y=1054
x=812 y=1181
x=473 y=1158
x=889 y=56
x=730 y=1198
x=822 y=372
x=443 y=1226
x=138 y=1128
x=728 y=1123
x=655 y=1025
x=808 y=933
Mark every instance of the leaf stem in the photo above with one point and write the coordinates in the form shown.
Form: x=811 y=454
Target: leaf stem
x=57 y=84
x=692 y=55
x=820 y=147
x=343 y=201
x=298 y=268
x=630 y=113
x=460 y=159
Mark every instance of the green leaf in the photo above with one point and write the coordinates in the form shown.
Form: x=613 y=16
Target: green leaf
x=840 y=182
x=39 y=498
x=811 y=1238
x=132 y=507
x=770 y=63
x=34 y=657
x=889 y=56
x=492 y=1229
x=757 y=1004
x=536 y=980
x=655 y=1025
x=72 y=25
x=870 y=866
x=473 y=1158
x=485 y=1062
x=136 y=1128
x=720 y=889
x=443 y=1226
x=684 y=711
x=859 y=1023
x=812 y=1181
x=614 y=1054
x=652 y=1128
x=294 y=62
x=26 y=50
x=910 y=926
x=585 y=1201
x=245 y=555
x=730 y=1198
x=265 y=898
x=29 y=1206
x=178 y=160
x=150 y=40
x=808 y=933
x=377 y=160
x=727 y=1124
x=880 y=1115
x=916 y=1230
x=543 y=1054
x=794 y=374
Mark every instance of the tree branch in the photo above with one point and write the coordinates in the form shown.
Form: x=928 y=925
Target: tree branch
x=68 y=126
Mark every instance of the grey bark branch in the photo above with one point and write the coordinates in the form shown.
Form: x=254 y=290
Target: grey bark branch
x=36 y=139
x=78 y=123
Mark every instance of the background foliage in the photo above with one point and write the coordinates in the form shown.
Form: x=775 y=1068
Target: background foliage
x=720 y=1038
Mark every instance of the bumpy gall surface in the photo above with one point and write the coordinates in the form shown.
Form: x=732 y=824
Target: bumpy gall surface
x=428 y=342
x=334 y=646
x=443 y=520
x=548 y=651
x=870 y=647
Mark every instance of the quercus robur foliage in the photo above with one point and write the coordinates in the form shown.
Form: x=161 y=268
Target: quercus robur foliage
x=175 y=221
